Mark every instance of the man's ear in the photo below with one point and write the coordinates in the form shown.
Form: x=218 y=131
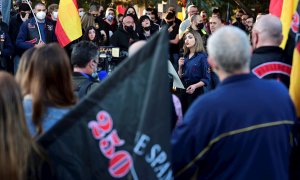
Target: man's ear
x=91 y=64
x=211 y=62
x=280 y=39
x=214 y=66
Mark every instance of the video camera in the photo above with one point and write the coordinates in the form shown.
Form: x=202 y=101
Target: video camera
x=110 y=57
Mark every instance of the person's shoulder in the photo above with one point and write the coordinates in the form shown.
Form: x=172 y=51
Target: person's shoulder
x=273 y=84
x=14 y=18
x=202 y=55
x=27 y=102
x=207 y=101
x=94 y=85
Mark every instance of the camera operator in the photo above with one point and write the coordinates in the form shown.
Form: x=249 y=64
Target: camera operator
x=85 y=60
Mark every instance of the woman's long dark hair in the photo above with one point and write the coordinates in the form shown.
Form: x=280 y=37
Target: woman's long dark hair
x=97 y=41
x=49 y=81
x=134 y=16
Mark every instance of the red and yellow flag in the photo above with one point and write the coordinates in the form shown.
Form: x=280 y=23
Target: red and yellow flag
x=290 y=19
x=295 y=79
x=276 y=7
x=289 y=7
x=68 y=26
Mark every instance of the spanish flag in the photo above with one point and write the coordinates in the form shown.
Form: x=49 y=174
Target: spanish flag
x=289 y=7
x=295 y=79
x=68 y=26
x=292 y=53
x=276 y=7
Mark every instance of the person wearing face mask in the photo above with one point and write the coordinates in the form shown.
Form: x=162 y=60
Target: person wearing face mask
x=81 y=11
x=24 y=13
x=198 y=25
x=177 y=21
x=52 y=12
x=268 y=60
x=239 y=23
x=173 y=30
x=109 y=24
x=130 y=11
x=146 y=31
x=85 y=59
x=29 y=36
x=147 y=12
x=125 y=35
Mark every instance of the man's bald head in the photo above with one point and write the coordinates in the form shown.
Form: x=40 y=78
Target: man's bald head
x=128 y=19
x=128 y=22
x=268 y=28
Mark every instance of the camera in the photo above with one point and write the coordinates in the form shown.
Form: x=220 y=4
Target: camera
x=109 y=57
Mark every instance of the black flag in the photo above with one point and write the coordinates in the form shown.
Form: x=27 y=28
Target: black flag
x=122 y=129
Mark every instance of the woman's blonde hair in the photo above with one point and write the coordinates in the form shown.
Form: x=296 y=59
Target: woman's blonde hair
x=198 y=41
x=87 y=20
x=23 y=65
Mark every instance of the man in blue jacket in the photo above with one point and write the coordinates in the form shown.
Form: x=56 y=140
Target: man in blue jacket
x=241 y=130
x=29 y=37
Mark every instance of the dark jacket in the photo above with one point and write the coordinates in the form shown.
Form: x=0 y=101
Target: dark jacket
x=123 y=39
x=28 y=35
x=14 y=27
x=107 y=27
x=269 y=63
x=6 y=46
x=79 y=79
x=143 y=37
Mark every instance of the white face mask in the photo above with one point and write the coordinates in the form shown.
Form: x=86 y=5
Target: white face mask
x=55 y=14
x=81 y=13
x=41 y=15
x=110 y=17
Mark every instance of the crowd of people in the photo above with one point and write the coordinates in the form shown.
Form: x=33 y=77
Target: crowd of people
x=239 y=129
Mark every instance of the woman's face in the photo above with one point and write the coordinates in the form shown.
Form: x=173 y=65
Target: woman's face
x=146 y=23
x=189 y=40
x=131 y=11
x=92 y=34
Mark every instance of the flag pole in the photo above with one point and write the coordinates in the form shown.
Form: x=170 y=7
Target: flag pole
x=39 y=31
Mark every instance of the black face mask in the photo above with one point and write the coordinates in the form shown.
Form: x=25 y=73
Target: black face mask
x=238 y=19
x=147 y=28
x=23 y=14
x=170 y=23
x=200 y=26
x=129 y=29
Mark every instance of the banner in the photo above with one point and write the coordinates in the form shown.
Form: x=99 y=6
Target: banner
x=5 y=6
x=68 y=26
x=122 y=129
